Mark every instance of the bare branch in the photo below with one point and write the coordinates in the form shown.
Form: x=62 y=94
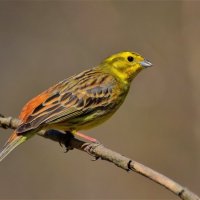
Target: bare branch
x=99 y=151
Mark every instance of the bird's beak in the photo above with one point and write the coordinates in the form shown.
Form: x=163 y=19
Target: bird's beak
x=145 y=63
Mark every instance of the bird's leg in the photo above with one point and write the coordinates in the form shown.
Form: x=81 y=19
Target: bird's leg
x=67 y=139
x=87 y=146
x=86 y=137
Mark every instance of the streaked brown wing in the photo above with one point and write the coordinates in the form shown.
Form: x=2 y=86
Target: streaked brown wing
x=76 y=96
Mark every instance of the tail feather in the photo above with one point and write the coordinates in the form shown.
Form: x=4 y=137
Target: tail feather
x=11 y=144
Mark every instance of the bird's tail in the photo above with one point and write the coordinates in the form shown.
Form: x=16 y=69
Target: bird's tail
x=12 y=143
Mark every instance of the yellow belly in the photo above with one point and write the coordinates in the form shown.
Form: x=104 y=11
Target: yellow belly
x=85 y=123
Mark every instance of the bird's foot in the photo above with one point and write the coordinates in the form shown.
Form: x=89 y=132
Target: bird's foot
x=89 y=147
x=62 y=138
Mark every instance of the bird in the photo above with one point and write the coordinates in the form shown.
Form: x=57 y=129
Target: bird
x=79 y=102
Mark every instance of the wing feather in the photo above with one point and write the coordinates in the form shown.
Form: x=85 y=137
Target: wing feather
x=71 y=98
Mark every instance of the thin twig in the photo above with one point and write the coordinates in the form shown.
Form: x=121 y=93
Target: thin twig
x=99 y=151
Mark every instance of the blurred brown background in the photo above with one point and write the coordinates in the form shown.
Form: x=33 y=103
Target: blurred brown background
x=43 y=42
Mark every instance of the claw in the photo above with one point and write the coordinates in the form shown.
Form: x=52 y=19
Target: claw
x=66 y=141
x=87 y=147
x=60 y=143
x=68 y=148
x=95 y=158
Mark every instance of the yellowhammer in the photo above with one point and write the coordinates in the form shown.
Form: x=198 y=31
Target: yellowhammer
x=81 y=101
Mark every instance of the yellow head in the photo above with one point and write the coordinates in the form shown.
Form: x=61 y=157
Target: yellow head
x=125 y=65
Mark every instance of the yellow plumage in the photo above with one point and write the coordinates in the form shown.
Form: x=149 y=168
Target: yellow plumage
x=81 y=101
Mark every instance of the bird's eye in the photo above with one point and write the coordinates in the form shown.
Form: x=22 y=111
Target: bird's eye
x=130 y=58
